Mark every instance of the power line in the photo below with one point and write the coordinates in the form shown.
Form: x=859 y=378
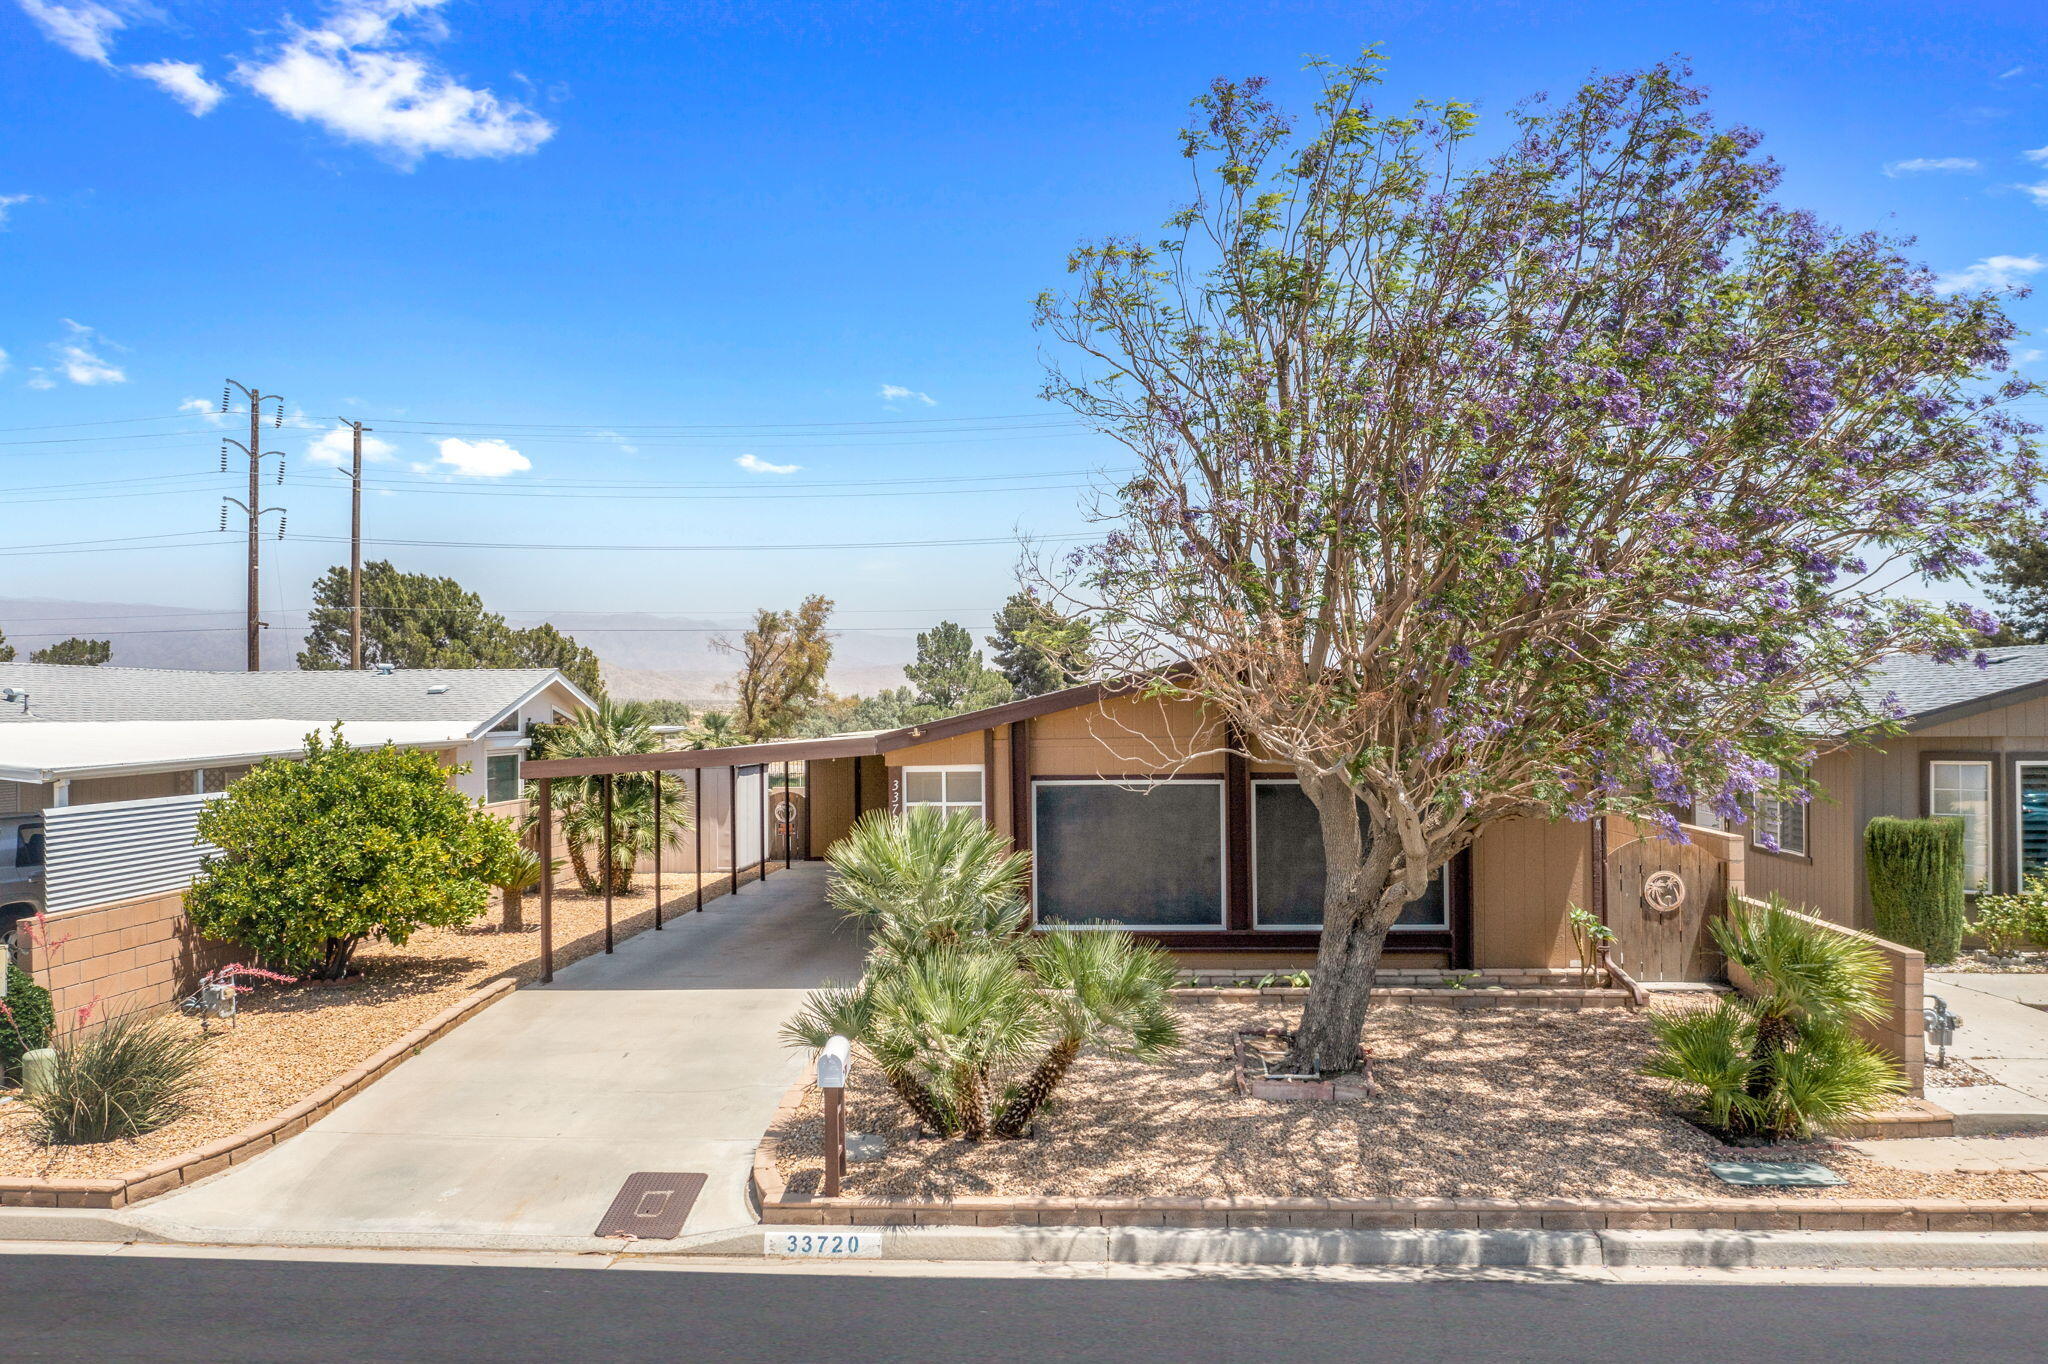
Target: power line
x=681 y=548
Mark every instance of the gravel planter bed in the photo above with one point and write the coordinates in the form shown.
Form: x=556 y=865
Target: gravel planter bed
x=1975 y=960
x=1488 y=1104
x=290 y=1040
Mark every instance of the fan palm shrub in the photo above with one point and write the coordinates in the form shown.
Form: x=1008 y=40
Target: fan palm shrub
x=131 y=1075
x=1782 y=1061
x=522 y=871
x=613 y=729
x=973 y=1023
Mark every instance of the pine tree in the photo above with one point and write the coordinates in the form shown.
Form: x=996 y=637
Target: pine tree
x=84 y=653
x=1037 y=649
x=949 y=673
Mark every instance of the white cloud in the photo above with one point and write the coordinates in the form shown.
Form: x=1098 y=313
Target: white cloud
x=355 y=76
x=896 y=393
x=2031 y=356
x=80 y=361
x=2008 y=74
x=2037 y=155
x=201 y=407
x=39 y=379
x=3 y=362
x=1919 y=164
x=480 y=458
x=184 y=82
x=754 y=464
x=2038 y=192
x=337 y=447
x=83 y=29
x=1993 y=272
x=8 y=201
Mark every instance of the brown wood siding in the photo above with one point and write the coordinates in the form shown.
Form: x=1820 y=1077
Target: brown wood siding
x=831 y=800
x=1126 y=735
x=1525 y=872
x=962 y=750
x=1828 y=879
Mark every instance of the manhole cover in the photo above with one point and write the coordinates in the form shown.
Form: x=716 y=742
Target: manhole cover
x=651 y=1206
x=1789 y=1174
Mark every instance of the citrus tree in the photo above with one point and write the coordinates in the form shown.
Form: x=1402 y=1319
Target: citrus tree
x=319 y=854
x=1572 y=479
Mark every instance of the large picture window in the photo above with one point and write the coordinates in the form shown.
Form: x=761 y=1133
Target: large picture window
x=1287 y=865
x=501 y=777
x=2031 y=781
x=1962 y=790
x=1128 y=856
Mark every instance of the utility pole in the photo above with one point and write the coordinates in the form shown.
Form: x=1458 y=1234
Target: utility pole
x=253 y=508
x=355 y=548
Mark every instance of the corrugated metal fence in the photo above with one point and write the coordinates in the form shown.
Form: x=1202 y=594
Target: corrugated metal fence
x=97 y=854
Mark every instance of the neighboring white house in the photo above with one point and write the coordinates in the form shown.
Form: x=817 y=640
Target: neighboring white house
x=103 y=770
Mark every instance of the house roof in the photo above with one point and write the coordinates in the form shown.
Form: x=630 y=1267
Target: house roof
x=1931 y=692
x=62 y=693
x=108 y=748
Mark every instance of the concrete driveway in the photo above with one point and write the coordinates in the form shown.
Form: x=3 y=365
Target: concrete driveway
x=2005 y=1035
x=518 y=1128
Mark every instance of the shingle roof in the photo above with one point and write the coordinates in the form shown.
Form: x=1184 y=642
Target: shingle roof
x=67 y=693
x=1924 y=686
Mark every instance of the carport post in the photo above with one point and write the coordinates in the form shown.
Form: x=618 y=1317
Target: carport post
x=788 y=825
x=658 y=831
x=697 y=835
x=547 y=880
x=608 y=873
x=732 y=803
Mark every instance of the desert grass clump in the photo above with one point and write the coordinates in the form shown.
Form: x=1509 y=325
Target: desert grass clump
x=131 y=1075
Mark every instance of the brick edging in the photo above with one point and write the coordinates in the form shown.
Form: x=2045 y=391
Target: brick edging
x=1483 y=997
x=132 y=1186
x=770 y=1193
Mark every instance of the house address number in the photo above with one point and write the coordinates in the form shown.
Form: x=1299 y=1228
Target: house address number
x=827 y=1245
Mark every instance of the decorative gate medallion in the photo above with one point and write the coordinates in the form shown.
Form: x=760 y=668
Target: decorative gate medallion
x=1664 y=892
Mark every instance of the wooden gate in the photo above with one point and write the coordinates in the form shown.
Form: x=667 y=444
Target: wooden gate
x=1660 y=897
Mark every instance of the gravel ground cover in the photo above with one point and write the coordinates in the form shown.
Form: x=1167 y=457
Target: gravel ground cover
x=290 y=1040
x=1977 y=960
x=1500 y=1103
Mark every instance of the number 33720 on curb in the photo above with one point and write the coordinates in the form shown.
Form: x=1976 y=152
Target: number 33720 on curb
x=827 y=1245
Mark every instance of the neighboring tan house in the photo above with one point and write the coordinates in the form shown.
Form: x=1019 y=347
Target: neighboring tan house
x=103 y=772
x=1975 y=748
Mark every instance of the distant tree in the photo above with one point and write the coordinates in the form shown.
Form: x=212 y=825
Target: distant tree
x=415 y=620
x=949 y=674
x=6 y=649
x=666 y=710
x=88 y=653
x=2018 y=584
x=783 y=659
x=715 y=729
x=316 y=856
x=1037 y=649
x=615 y=729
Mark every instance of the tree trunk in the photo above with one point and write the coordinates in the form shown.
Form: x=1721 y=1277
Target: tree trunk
x=970 y=1097
x=1037 y=1088
x=579 y=863
x=513 y=900
x=1360 y=904
x=919 y=1101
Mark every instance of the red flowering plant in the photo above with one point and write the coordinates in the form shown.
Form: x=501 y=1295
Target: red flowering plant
x=1572 y=479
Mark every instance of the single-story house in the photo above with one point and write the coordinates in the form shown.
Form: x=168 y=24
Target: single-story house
x=1974 y=748
x=103 y=772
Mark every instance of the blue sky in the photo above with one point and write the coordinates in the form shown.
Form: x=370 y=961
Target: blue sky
x=818 y=228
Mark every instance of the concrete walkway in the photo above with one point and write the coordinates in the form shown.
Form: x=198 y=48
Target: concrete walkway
x=2004 y=1036
x=519 y=1127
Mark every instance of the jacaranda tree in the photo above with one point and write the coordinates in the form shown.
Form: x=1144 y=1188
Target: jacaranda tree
x=1573 y=480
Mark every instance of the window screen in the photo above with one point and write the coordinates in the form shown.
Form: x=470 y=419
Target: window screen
x=1138 y=857
x=1287 y=864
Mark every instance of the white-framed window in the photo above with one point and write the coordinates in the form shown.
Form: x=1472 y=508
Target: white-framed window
x=1287 y=865
x=1779 y=821
x=1128 y=854
x=501 y=778
x=1961 y=789
x=949 y=790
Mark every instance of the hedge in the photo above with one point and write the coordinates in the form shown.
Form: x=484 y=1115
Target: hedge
x=1916 y=883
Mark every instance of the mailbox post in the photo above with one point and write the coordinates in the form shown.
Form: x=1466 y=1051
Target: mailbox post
x=832 y=1065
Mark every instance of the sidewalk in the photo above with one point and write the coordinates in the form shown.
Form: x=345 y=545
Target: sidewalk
x=2006 y=1038
x=519 y=1128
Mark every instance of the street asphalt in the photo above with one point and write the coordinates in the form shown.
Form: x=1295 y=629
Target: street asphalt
x=231 y=1308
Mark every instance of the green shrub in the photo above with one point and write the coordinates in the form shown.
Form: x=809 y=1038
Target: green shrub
x=317 y=855
x=26 y=1020
x=2008 y=923
x=1782 y=1062
x=1916 y=883
x=972 y=1022
x=129 y=1076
